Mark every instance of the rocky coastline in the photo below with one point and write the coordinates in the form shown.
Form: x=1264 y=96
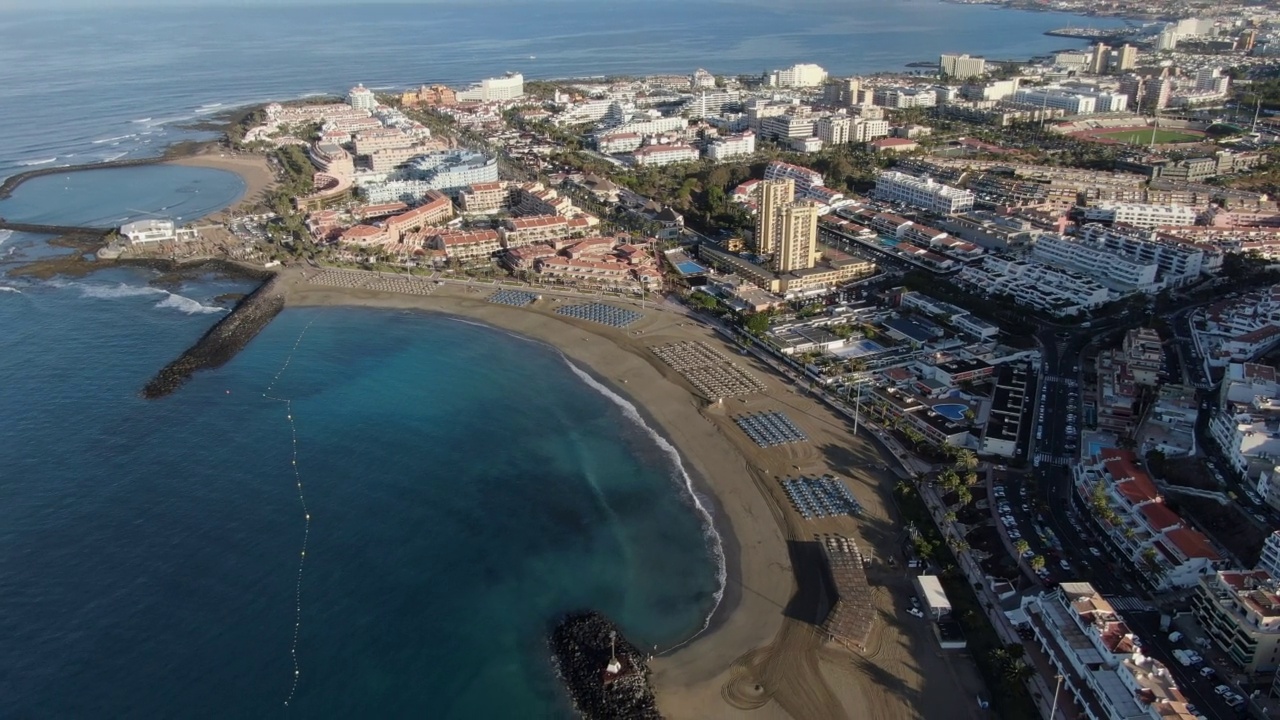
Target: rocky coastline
x=221 y=343
x=606 y=676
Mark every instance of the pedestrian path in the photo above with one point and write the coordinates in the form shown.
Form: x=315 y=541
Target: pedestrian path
x=1047 y=459
x=1128 y=603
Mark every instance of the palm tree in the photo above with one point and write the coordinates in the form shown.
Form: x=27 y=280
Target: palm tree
x=1021 y=546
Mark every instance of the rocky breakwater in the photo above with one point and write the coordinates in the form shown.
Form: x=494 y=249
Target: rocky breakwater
x=223 y=340
x=607 y=677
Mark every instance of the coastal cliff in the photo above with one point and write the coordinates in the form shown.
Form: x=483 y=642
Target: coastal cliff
x=607 y=677
x=223 y=340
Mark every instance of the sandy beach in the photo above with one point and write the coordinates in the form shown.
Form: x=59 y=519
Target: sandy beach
x=762 y=655
x=252 y=168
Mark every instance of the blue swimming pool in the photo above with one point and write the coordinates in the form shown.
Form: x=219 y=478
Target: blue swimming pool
x=690 y=268
x=951 y=411
x=1094 y=448
x=888 y=241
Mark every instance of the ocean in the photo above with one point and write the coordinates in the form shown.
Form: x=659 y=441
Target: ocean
x=456 y=487
x=104 y=84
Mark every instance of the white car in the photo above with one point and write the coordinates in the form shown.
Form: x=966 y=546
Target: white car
x=916 y=612
x=1029 y=553
x=1222 y=690
x=1064 y=565
x=1095 y=552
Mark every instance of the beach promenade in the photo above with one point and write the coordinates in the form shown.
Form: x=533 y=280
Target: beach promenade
x=764 y=654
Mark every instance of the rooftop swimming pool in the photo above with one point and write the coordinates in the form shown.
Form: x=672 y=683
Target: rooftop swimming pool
x=690 y=268
x=951 y=411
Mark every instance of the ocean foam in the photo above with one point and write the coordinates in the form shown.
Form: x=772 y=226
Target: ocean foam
x=143 y=120
x=188 y=306
x=45 y=161
x=714 y=542
x=6 y=288
x=114 y=140
x=170 y=301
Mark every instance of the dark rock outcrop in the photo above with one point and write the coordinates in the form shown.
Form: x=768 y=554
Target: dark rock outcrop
x=607 y=677
x=223 y=340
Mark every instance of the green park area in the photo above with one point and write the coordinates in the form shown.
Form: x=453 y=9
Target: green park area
x=1143 y=137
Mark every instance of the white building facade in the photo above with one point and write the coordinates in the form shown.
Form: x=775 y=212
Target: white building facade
x=923 y=193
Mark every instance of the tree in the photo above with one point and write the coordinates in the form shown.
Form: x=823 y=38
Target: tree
x=964 y=496
x=1021 y=546
x=1037 y=562
x=757 y=324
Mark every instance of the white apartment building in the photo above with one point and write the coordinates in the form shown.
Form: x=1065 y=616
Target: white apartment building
x=362 y=98
x=868 y=129
x=1131 y=517
x=1099 y=659
x=901 y=98
x=1112 y=269
x=1179 y=262
x=732 y=146
x=664 y=154
x=961 y=67
x=804 y=178
x=649 y=126
x=1239 y=611
x=835 y=129
x=923 y=193
x=1246 y=425
x=1072 y=102
x=783 y=128
x=1141 y=214
x=622 y=142
x=1041 y=287
x=702 y=79
x=1270 y=559
x=592 y=110
x=802 y=75
x=709 y=103
x=453 y=170
x=508 y=87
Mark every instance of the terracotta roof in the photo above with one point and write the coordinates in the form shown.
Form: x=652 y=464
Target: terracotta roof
x=535 y=221
x=1192 y=543
x=468 y=237
x=1159 y=516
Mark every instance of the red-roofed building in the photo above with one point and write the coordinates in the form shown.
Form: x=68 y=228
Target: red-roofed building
x=521 y=231
x=1138 y=528
x=436 y=208
x=1239 y=610
x=366 y=235
x=467 y=245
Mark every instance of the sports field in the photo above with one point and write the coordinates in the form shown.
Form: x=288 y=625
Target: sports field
x=1143 y=137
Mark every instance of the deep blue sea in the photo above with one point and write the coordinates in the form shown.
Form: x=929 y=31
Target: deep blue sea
x=464 y=486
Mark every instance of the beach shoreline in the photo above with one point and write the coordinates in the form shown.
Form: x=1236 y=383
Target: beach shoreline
x=739 y=514
x=253 y=170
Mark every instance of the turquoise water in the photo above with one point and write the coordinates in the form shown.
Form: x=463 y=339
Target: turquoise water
x=465 y=488
x=951 y=411
x=110 y=197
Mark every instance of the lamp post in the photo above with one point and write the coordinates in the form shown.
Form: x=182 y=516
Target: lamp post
x=1054 y=711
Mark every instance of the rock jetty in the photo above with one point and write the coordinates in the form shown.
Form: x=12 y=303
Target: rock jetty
x=223 y=340
x=607 y=677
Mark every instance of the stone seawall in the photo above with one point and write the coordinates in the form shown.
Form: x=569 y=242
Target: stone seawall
x=607 y=677
x=221 y=343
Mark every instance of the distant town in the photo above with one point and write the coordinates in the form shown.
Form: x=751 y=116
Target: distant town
x=1053 y=285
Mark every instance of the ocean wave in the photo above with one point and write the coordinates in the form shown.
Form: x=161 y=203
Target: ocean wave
x=143 y=120
x=714 y=542
x=209 y=106
x=8 y=289
x=112 y=158
x=115 y=140
x=45 y=161
x=188 y=306
x=170 y=301
x=111 y=292
x=5 y=235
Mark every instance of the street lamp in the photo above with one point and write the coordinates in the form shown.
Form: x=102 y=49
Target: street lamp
x=1054 y=711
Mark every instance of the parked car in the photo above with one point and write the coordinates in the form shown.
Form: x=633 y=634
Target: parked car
x=1095 y=552
x=916 y=612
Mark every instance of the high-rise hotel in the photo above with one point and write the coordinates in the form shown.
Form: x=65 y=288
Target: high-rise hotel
x=786 y=228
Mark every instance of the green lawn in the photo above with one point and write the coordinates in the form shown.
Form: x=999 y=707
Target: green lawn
x=1143 y=137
